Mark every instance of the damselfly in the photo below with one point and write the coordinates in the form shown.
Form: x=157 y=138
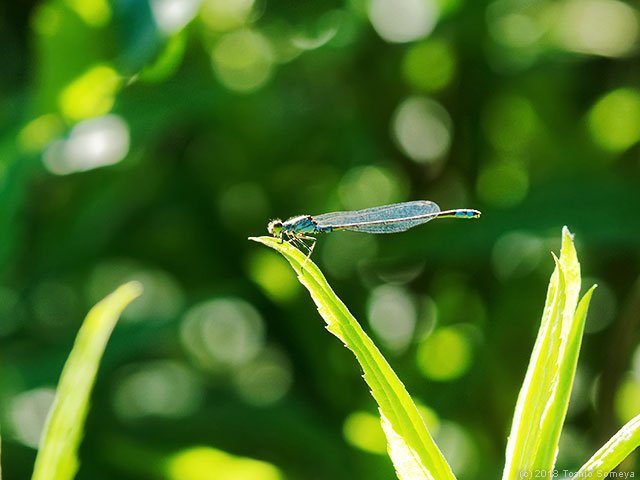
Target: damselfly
x=397 y=217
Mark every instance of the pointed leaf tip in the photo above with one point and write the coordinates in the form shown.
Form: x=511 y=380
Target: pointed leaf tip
x=134 y=288
x=58 y=454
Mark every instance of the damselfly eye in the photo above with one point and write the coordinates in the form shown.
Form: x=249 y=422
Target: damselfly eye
x=275 y=227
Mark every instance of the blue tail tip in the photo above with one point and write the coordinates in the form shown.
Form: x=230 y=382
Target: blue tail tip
x=468 y=213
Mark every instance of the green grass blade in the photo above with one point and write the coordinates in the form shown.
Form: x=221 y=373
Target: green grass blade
x=413 y=451
x=542 y=402
x=57 y=456
x=531 y=400
x=613 y=452
x=559 y=401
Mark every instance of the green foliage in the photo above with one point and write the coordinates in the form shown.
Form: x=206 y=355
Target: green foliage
x=613 y=452
x=542 y=404
x=539 y=415
x=57 y=456
x=147 y=139
x=414 y=454
x=544 y=397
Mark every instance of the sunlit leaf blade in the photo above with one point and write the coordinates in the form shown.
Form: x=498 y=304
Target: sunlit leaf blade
x=529 y=407
x=413 y=451
x=559 y=402
x=613 y=452
x=402 y=455
x=57 y=456
x=542 y=402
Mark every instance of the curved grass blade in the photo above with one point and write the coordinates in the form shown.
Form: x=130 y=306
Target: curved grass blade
x=559 y=402
x=613 y=452
x=531 y=400
x=57 y=457
x=413 y=451
x=542 y=403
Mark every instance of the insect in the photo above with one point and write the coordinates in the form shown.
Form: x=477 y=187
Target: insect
x=397 y=217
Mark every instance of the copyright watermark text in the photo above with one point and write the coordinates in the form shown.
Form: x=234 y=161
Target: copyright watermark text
x=541 y=474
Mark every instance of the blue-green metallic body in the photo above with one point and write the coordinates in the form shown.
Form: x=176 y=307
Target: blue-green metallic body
x=397 y=217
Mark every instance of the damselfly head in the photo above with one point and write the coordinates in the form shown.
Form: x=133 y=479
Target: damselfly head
x=275 y=227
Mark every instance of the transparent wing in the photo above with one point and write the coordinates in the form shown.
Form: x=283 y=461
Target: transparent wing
x=397 y=217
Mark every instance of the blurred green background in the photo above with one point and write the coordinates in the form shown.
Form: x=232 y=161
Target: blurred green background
x=149 y=139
